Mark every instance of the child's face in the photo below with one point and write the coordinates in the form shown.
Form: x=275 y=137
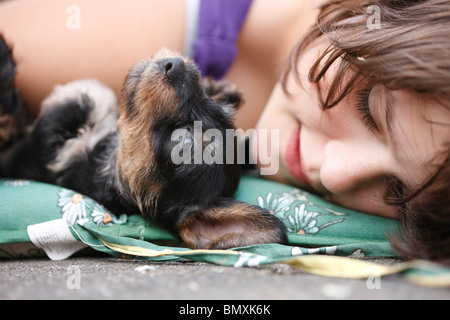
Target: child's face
x=337 y=154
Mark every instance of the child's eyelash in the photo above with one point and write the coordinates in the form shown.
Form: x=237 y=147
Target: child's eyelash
x=363 y=107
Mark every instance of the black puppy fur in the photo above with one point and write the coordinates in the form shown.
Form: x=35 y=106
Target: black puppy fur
x=11 y=107
x=121 y=157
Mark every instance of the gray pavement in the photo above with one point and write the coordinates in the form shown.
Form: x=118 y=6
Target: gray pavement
x=104 y=277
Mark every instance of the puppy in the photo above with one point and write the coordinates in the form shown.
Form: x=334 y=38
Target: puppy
x=11 y=107
x=123 y=157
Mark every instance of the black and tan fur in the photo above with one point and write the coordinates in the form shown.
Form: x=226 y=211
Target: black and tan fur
x=121 y=156
x=12 y=111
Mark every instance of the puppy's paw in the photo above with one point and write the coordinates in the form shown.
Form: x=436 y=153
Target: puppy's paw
x=9 y=129
x=223 y=92
x=12 y=113
x=231 y=224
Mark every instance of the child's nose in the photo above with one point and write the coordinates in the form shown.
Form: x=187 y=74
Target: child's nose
x=347 y=168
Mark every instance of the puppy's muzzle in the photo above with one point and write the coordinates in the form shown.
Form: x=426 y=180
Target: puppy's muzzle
x=173 y=68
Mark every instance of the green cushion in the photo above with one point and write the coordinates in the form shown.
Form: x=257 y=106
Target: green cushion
x=314 y=225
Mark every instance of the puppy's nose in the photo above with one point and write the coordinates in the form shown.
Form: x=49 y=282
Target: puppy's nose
x=173 y=68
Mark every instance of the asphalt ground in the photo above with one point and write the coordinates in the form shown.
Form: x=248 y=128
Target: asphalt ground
x=98 y=277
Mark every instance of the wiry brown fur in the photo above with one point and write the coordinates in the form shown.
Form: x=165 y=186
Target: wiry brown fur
x=230 y=225
x=145 y=96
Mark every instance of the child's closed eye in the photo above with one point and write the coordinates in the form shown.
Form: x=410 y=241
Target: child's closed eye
x=364 y=109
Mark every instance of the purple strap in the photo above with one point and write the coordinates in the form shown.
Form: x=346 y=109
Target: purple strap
x=220 y=21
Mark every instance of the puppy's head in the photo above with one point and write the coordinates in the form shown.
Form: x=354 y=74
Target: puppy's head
x=10 y=104
x=174 y=155
x=173 y=136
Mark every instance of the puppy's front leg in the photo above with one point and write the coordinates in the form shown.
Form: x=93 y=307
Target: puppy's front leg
x=231 y=224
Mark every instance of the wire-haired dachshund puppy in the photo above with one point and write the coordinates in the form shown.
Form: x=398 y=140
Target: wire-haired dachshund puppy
x=123 y=157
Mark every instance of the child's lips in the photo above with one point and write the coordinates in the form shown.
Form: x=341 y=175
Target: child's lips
x=293 y=158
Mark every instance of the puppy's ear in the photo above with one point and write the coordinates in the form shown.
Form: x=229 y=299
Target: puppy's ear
x=223 y=92
x=231 y=224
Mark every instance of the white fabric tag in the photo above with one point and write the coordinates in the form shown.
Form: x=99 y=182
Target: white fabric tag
x=55 y=238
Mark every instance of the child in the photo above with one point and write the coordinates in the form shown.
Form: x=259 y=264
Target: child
x=361 y=105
